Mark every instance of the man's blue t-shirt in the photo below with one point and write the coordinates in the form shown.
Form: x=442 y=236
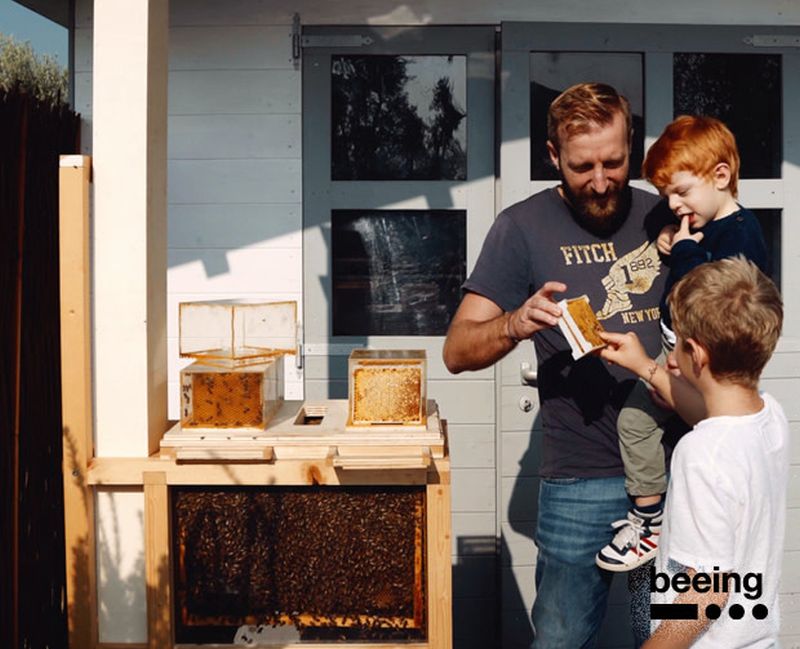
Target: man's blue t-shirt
x=538 y=240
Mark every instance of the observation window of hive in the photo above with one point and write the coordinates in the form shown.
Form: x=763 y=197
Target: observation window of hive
x=337 y=564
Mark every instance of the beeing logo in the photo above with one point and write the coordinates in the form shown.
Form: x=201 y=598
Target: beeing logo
x=749 y=584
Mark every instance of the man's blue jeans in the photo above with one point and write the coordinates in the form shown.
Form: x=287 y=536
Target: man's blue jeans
x=575 y=516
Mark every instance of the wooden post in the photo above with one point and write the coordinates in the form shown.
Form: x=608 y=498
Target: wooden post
x=158 y=571
x=440 y=601
x=76 y=396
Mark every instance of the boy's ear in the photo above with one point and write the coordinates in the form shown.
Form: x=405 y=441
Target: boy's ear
x=553 y=153
x=698 y=353
x=721 y=175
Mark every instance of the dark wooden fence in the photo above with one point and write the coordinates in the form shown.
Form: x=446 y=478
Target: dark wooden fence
x=32 y=597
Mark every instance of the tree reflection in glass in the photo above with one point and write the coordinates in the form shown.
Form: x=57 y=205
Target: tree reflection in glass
x=742 y=90
x=398 y=118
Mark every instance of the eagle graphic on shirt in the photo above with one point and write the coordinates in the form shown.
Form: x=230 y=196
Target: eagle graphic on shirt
x=633 y=273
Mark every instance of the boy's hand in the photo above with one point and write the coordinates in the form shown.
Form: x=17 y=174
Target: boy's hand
x=684 y=233
x=665 y=237
x=626 y=351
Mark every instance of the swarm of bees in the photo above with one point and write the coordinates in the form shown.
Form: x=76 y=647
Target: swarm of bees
x=338 y=563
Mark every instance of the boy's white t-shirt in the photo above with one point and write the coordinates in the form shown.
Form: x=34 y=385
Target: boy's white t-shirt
x=726 y=511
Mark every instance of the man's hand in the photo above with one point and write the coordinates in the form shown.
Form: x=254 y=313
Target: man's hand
x=626 y=350
x=684 y=233
x=538 y=312
x=665 y=237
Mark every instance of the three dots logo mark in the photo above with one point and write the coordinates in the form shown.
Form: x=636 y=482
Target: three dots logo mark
x=712 y=611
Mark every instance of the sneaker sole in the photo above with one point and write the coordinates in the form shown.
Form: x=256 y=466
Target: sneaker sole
x=623 y=567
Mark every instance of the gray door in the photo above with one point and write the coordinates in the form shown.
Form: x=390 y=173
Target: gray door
x=749 y=78
x=398 y=194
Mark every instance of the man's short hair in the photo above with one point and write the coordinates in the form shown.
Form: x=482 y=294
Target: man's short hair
x=585 y=106
x=695 y=144
x=734 y=311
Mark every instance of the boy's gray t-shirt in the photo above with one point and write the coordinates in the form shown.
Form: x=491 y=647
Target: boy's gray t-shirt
x=538 y=240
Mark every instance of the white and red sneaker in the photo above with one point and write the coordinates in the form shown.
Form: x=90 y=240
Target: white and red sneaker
x=635 y=543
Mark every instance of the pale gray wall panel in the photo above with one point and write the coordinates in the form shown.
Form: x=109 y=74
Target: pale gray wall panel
x=83 y=105
x=471 y=446
x=793 y=491
x=209 y=137
x=472 y=11
x=790 y=573
x=232 y=92
x=82 y=101
x=83 y=50
x=790 y=617
x=518 y=547
x=234 y=181
x=473 y=490
x=786 y=392
x=230 y=48
x=464 y=402
x=235 y=225
x=240 y=272
x=516 y=586
x=520 y=453
x=469 y=526
x=792 y=540
x=84 y=11
x=782 y=365
x=230 y=12
x=789 y=641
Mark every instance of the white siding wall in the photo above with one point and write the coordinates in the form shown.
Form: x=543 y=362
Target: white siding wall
x=235 y=230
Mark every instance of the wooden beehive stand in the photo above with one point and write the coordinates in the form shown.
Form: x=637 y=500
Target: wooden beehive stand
x=305 y=444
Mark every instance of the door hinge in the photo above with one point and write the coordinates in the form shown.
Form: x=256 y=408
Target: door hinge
x=772 y=40
x=336 y=40
x=296 y=39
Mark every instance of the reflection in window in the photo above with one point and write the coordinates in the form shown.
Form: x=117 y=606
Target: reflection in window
x=744 y=91
x=399 y=117
x=554 y=72
x=398 y=272
x=770 y=221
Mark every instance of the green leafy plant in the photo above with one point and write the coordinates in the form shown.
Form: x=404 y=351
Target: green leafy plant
x=40 y=76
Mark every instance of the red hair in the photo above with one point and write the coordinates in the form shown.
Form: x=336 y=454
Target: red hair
x=694 y=144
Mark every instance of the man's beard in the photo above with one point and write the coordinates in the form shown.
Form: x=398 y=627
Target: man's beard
x=601 y=215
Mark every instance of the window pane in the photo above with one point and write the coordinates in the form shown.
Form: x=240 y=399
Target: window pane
x=744 y=91
x=397 y=273
x=554 y=72
x=770 y=221
x=399 y=117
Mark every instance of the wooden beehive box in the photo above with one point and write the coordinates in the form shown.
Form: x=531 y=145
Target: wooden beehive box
x=344 y=563
x=231 y=397
x=387 y=388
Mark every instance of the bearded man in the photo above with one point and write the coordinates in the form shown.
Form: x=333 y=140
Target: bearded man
x=592 y=235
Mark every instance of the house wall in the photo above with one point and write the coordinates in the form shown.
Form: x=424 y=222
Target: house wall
x=235 y=230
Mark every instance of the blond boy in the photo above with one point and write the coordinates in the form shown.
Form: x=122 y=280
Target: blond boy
x=724 y=520
x=695 y=165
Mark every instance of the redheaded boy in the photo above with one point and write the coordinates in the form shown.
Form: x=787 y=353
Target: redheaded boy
x=695 y=165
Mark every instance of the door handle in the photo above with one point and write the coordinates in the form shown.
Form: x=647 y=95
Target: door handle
x=528 y=375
